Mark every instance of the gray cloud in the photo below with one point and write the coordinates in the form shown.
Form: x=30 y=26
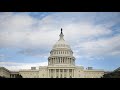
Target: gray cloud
x=17 y=66
x=85 y=32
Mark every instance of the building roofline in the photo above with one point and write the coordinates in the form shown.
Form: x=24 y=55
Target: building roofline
x=5 y=69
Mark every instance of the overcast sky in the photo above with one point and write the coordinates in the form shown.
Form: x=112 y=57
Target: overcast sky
x=26 y=38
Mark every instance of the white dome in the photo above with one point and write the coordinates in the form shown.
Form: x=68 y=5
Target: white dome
x=61 y=54
x=61 y=43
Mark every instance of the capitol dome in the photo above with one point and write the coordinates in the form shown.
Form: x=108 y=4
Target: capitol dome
x=61 y=53
x=61 y=43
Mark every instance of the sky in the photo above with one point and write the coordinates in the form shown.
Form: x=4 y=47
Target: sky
x=26 y=38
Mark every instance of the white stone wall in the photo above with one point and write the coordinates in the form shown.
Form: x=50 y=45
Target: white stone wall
x=93 y=74
x=4 y=72
x=43 y=72
x=79 y=72
x=29 y=73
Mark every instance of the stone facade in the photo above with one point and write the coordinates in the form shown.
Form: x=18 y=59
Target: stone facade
x=14 y=74
x=4 y=72
x=29 y=73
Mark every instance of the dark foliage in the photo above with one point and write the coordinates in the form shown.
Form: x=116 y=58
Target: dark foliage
x=115 y=74
x=18 y=76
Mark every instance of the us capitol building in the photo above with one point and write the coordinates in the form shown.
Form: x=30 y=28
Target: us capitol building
x=61 y=64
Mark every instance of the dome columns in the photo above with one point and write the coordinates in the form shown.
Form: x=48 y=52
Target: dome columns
x=61 y=60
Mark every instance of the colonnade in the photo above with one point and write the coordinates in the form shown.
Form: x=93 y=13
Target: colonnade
x=13 y=75
x=64 y=52
x=60 y=73
x=61 y=60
